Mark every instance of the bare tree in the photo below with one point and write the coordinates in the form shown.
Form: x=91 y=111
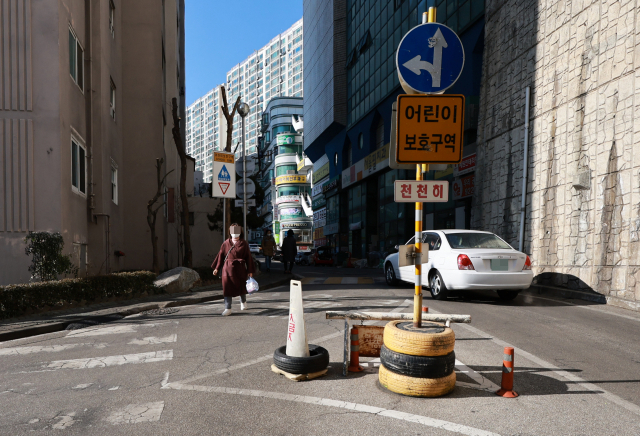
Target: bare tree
x=177 y=139
x=229 y=118
x=152 y=213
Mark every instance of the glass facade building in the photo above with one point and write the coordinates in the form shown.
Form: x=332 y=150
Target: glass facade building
x=362 y=217
x=271 y=71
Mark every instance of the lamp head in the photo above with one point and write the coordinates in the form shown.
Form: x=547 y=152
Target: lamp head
x=243 y=109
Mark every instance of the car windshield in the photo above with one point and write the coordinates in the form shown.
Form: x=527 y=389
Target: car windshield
x=476 y=240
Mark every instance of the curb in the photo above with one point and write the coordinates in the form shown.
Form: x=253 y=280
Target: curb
x=52 y=327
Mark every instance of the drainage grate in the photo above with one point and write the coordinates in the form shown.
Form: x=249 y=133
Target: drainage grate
x=156 y=312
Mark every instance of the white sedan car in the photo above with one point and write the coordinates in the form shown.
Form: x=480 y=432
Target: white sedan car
x=254 y=248
x=465 y=260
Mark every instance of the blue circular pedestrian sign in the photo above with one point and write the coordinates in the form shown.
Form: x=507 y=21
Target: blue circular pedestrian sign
x=430 y=58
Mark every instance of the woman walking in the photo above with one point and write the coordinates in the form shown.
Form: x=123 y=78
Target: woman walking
x=236 y=263
x=268 y=247
x=289 y=251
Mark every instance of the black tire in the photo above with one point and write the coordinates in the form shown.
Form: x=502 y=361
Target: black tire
x=318 y=361
x=390 y=275
x=418 y=366
x=507 y=295
x=437 y=287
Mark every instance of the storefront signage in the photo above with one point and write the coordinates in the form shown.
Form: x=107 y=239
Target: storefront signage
x=320 y=217
x=319 y=202
x=320 y=242
x=276 y=231
x=288 y=199
x=464 y=187
x=282 y=180
x=371 y=164
x=331 y=229
x=317 y=187
x=286 y=139
x=305 y=225
x=321 y=173
x=467 y=166
x=318 y=233
x=355 y=226
x=291 y=212
x=331 y=184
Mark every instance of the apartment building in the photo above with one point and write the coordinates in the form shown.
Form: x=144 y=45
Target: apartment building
x=275 y=70
x=85 y=110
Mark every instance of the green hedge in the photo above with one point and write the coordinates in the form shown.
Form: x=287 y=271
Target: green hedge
x=16 y=300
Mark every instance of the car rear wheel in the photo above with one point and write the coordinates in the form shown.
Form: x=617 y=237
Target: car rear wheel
x=390 y=275
x=437 y=288
x=508 y=295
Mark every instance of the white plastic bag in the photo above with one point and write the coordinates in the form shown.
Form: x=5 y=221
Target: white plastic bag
x=252 y=285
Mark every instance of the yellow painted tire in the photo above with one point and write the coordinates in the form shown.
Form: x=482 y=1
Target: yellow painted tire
x=432 y=339
x=416 y=387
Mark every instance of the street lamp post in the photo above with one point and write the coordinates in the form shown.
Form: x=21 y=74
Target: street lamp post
x=243 y=110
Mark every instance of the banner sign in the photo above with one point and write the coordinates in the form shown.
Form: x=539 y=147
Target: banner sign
x=331 y=184
x=318 y=233
x=317 y=187
x=319 y=202
x=281 y=180
x=286 y=139
x=288 y=199
x=421 y=191
x=466 y=166
x=291 y=212
x=320 y=242
x=298 y=225
x=371 y=164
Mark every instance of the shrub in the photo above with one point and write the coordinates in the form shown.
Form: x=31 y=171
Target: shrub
x=48 y=261
x=16 y=300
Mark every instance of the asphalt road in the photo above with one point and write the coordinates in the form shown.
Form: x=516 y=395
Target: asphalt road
x=194 y=372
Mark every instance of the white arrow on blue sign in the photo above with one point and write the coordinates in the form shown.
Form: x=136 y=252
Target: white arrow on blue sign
x=430 y=58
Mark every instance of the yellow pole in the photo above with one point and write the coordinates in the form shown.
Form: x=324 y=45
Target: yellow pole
x=420 y=169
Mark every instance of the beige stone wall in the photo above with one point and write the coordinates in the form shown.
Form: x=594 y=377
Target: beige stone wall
x=582 y=61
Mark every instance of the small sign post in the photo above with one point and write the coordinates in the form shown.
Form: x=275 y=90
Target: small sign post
x=224 y=175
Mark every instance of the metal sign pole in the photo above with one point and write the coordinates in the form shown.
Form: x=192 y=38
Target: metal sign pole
x=244 y=182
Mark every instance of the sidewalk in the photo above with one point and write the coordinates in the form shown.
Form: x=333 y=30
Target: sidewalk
x=17 y=328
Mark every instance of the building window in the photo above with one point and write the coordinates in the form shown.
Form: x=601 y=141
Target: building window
x=335 y=159
x=76 y=60
x=112 y=18
x=114 y=183
x=78 y=167
x=112 y=100
x=360 y=141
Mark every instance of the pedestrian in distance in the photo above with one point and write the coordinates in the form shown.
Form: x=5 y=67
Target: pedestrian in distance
x=235 y=263
x=268 y=247
x=289 y=251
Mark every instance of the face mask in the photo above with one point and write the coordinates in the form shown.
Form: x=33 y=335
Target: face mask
x=235 y=235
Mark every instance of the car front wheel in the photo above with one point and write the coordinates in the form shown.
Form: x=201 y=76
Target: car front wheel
x=437 y=287
x=390 y=275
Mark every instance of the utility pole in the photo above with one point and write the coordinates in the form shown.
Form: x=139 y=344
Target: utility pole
x=243 y=111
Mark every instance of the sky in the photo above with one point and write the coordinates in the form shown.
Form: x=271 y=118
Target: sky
x=221 y=34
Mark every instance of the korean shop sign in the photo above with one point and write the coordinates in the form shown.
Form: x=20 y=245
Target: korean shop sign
x=420 y=191
x=286 y=139
x=321 y=173
x=283 y=180
x=429 y=129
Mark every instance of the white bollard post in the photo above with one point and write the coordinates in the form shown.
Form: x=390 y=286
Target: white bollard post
x=297 y=343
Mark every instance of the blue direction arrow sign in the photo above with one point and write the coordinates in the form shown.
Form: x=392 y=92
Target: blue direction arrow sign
x=430 y=58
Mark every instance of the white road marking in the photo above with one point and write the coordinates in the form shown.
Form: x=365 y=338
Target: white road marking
x=135 y=413
x=270 y=356
x=165 y=380
x=409 y=417
x=112 y=330
x=66 y=421
x=44 y=349
x=101 y=362
x=82 y=386
x=33 y=421
x=115 y=388
x=582 y=306
x=544 y=364
x=153 y=340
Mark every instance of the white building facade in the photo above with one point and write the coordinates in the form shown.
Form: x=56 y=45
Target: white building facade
x=275 y=70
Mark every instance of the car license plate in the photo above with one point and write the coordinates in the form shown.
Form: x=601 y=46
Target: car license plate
x=499 y=265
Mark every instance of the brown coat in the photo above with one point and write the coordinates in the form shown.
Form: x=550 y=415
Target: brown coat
x=236 y=269
x=268 y=245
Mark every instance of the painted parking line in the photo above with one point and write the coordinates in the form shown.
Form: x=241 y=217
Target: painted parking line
x=19 y=351
x=115 y=329
x=101 y=362
x=152 y=340
x=333 y=281
x=338 y=281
